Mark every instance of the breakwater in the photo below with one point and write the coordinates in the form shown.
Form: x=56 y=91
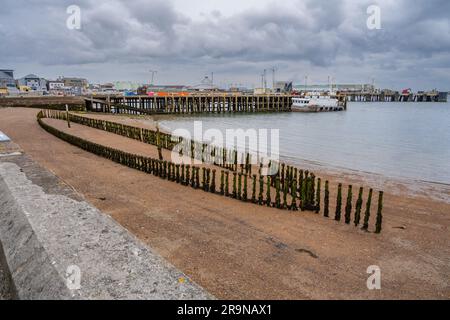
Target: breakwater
x=395 y=97
x=289 y=188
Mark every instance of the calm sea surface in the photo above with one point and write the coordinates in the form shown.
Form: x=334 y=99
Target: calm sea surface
x=406 y=140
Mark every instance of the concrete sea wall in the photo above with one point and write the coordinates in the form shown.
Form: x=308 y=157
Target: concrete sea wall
x=55 y=245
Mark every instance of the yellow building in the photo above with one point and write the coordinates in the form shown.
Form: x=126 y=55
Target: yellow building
x=24 y=89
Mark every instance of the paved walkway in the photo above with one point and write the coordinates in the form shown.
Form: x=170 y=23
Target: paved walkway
x=47 y=229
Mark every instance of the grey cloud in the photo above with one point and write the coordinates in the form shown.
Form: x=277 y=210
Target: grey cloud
x=297 y=34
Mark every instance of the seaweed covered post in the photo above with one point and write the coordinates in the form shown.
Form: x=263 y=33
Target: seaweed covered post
x=367 y=212
x=285 y=194
x=197 y=178
x=183 y=174
x=379 y=221
x=278 y=194
x=227 y=184
x=212 y=187
x=254 y=188
x=300 y=183
x=268 y=194
x=158 y=165
x=203 y=179
x=177 y=173
x=307 y=201
x=261 y=190
x=192 y=148
x=312 y=193
x=348 y=206
x=203 y=153
x=303 y=194
x=67 y=116
x=319 y=186
x=294 y=195
x=181 y=152
x=169 y=171
x=289 y=176
x=158 y=143
x=337 y=216
x=224 y=157
x=172 y=172
x=213 y=156
x=193 y=177
x=326 y=200
x=234 y=186
x=188 y=174
x=244 y=192
x=359 y=204
x=239 y=186
x=208 y=179
x=222 y=182
x=165 y=173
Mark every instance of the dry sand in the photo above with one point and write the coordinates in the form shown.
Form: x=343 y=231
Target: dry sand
x=243 y=251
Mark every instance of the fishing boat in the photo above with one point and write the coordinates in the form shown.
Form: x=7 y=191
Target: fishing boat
x=317 y=102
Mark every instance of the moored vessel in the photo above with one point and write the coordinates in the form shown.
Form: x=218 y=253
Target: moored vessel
x=318 y=102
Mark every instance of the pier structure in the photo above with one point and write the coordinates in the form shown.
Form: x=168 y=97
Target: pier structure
x=190 y=103
x=395 y=97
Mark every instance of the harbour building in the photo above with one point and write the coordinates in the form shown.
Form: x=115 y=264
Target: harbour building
x=7 y=82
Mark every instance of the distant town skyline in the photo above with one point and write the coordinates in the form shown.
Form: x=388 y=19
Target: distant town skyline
x=187 y=40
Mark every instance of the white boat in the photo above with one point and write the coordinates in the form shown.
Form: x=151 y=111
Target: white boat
x=317 y=102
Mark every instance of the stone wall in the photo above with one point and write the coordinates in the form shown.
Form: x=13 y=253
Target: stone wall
x=45 y=102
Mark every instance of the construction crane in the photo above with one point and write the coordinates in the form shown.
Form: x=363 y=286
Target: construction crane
x=273 y=77
x=153 y=72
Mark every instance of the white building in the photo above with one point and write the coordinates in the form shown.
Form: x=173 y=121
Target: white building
x=55 y=85
x=364 y=88
x=57 y=88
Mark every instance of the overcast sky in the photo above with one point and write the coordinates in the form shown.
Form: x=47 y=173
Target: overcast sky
x=236 y=39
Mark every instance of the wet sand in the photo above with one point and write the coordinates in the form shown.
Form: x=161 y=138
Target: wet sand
x=243 y=251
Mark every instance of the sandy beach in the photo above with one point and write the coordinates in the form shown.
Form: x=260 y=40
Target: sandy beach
x=237 y=250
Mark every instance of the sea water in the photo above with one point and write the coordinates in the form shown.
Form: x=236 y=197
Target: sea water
x=406 y=140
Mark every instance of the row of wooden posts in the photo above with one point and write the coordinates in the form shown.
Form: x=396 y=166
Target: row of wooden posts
x=289 y=189
x=226 y=158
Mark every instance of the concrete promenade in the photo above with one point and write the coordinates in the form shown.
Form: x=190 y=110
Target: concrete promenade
x=58 y=246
